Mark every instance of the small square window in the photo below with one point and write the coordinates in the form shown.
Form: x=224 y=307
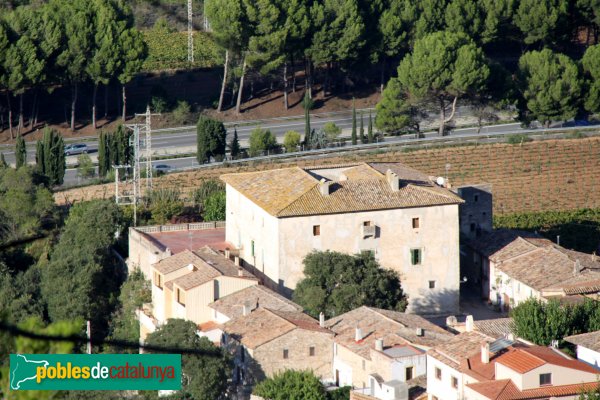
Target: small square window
x=472 y=227
x=316 y=230
x=415 y=256
x=476 y=198
x=438 y=373
x=367 y=223
x=157 y=280
x=415 y=223
x=311 y=351
x=454 y=382
x=431 y=284
x=545 y=379
x=285 y=353
x=180 y=295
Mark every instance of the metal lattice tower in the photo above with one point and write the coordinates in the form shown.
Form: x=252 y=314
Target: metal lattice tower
x=190 y=33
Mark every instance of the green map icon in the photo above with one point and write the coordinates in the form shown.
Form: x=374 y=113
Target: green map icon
x=23 y=369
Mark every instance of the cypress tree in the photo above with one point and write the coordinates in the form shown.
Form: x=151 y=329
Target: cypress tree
x=370 y=137
x=363 y=138
x=20 y=152
x=353 y=123
x=307 y=104
x=3 y=163
x=235 y=145
x=40 y=157
x=102 y=155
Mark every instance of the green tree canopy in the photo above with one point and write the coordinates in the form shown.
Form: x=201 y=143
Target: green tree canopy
x=206 y=368
x=83 y=274
x=335 y=283
x=261 y=140
x=542 y=20
x=395 y=113
x=476 y=19
x=211 y=139
x=291 y=385
x=443 y=67
x=551 y=85
x=591 y=67
x=214 y=207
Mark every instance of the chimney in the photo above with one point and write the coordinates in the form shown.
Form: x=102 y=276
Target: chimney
x=322 y=320
x=168 y=252
x=451 y=321
x=379 y=344
x=191 y=267
x=236 y=260
x=240 y=272
x=393 y=180
x=227 y=253
x=577 y=268
x=420 y=332
x=469 y=324
x=485 y=352
x=246 y=310
x=325 y=187
x=358 y=336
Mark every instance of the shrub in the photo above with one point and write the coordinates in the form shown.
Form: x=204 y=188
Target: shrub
x=85 y=167
x=261 y=140
x=214 y=207
x=291 y=140
x=182 y=111
x=518 y=138
x=332 y=131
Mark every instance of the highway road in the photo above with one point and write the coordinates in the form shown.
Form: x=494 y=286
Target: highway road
x=172 y=141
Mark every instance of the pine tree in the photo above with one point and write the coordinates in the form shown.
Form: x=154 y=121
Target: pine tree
x=370 y=137
x=235 y=145
x=40 y=157
x=20 y=152
x=353 y=123
x=363 y=138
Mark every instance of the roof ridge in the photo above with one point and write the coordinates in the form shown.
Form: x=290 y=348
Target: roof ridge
x=279 y=316
x=368 y=164
x=535 y=249
x=376 y=310
x=446 y=193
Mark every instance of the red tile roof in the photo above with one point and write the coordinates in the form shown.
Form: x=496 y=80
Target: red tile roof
x=506 y=390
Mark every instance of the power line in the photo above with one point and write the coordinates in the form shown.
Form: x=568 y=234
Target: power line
x=124 y=344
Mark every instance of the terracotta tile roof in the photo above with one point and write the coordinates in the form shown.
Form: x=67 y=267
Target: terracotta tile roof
x=523 y=360
x=500 y=243
x=395 y=328
x=496 y=328
x=294 y=192
x=177 y=261
x=263 y=325
x=208 y=265
x=506 y=390
x=209 y=326
x=547 y=267
x=462 y=346
x=254 y=296
x=590 y=340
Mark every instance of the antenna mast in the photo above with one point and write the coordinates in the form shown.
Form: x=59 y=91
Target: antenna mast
x=190 y=32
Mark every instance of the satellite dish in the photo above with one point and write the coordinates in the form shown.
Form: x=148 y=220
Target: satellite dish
x=440 y=181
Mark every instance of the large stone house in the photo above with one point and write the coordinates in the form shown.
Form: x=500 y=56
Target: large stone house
x=411 y=225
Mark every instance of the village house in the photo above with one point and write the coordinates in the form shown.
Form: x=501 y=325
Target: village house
x=184 y=284
x=267 y=341
x=407 y=221
x=588 y=347
x=515 y=266
x=473 y=366
x=375 y=348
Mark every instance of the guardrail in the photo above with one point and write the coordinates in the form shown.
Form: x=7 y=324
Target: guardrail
x=195 y=226
x=403 y=142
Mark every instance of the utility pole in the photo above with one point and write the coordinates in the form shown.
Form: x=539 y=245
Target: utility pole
x=190 y=33
x=148 y=142
x=89 y=337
